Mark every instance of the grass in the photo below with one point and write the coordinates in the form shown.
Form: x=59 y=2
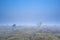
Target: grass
x=27 y=36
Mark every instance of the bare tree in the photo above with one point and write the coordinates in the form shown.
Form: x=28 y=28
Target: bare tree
x=39 y=24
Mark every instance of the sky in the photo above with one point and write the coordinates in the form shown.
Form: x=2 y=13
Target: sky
x=29 y=11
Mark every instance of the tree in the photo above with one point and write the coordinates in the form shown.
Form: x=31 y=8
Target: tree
x=39 y=24
x=14 y=25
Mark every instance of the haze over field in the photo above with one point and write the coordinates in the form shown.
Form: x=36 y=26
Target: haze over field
x=29 y=19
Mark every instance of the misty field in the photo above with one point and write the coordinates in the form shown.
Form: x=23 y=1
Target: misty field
x=23 y=33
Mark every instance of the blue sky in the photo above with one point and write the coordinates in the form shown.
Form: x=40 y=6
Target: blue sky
x=29 y=11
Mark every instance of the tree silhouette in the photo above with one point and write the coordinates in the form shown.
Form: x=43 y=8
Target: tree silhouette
x=14 y=25
x=39 y=24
